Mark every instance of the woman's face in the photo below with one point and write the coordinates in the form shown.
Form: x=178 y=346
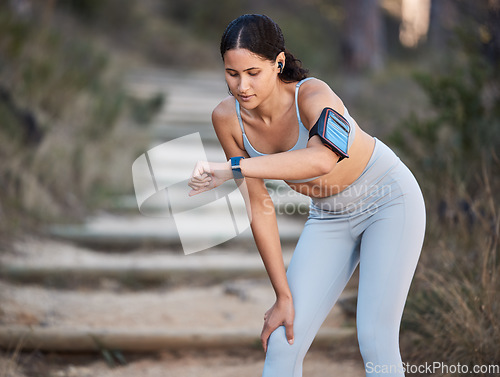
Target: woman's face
x=251 y=78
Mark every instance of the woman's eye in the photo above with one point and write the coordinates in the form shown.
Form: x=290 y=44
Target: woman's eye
x=253 y=73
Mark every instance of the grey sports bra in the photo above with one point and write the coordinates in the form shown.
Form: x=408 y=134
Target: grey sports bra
x=303 y=131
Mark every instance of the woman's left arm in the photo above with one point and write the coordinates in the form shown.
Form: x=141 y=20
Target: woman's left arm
x=313 y=161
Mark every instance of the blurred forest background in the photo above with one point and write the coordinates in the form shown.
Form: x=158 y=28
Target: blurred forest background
x=422 y=75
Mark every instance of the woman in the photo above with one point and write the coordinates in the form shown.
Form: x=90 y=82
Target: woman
x=366 y=206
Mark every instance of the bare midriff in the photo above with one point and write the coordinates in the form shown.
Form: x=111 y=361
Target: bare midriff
x=344 y=173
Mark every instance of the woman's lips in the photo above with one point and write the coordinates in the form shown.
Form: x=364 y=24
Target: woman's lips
x=246 y=98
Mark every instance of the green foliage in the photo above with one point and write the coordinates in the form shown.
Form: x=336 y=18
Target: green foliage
x=142 y=111
x=62 y=108
x=307 y=26
x=453 y=308
x=208 y=20
x=460 y=131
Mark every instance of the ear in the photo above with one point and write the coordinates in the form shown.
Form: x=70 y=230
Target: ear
x=281 y=59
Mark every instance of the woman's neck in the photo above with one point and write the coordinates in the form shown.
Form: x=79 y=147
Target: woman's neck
x=275 y=105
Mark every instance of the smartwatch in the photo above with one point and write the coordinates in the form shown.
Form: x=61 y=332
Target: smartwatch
x=235 y=166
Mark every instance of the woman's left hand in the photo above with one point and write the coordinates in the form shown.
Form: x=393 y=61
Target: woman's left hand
x=209 y=175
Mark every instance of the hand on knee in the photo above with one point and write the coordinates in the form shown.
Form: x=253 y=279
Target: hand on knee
x=281 y=314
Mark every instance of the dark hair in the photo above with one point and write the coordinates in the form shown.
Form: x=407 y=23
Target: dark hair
x=262 y=36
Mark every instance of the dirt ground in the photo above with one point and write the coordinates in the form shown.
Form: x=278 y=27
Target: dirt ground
x=243 y=363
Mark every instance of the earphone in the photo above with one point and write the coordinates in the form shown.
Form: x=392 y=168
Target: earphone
x=280 y=66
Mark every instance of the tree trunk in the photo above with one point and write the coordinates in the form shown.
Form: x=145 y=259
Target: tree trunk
x=362 y=41
x=492 y=42
x=441 y=24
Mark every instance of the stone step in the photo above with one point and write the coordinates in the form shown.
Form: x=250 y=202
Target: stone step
x=192 y=81
x=59 y=262
x=211 y=299
x=285 y=203
x=29 y=338
x=189 y=101
x=189 y=98
x=191 y=104
x=162 y=133
x=222 y=313
x=52 y=262
x=129 y=232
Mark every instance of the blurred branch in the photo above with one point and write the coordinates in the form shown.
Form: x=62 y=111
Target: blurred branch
x=31 y=129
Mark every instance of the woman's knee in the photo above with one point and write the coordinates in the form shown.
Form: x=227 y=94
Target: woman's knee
x=278 y=343
x=282 y=358
x=279 y=350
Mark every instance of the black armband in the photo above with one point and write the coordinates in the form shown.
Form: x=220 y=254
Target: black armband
x=333 y=130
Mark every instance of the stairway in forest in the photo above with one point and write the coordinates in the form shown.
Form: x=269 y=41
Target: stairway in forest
x=122 y=281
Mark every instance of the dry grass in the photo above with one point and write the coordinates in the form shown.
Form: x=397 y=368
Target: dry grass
x=9 y=363
x=454 y=307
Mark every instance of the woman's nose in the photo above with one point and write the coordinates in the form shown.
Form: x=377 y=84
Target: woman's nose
x=243 y=85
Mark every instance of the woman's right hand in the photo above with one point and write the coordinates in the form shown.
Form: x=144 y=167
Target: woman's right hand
x=281 y=313
x=209 y=175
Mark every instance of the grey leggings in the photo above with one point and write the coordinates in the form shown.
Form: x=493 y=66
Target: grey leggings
x=378 y=222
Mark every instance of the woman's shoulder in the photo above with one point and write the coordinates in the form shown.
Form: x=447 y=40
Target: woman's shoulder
x=314 y=95
x=313 y=83
x=317 y=89
x=224 y=112
x=226 y=126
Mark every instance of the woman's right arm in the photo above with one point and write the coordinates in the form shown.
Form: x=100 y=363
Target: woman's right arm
x=263 y=224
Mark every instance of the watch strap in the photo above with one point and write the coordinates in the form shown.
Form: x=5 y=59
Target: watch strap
x=235 y=166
